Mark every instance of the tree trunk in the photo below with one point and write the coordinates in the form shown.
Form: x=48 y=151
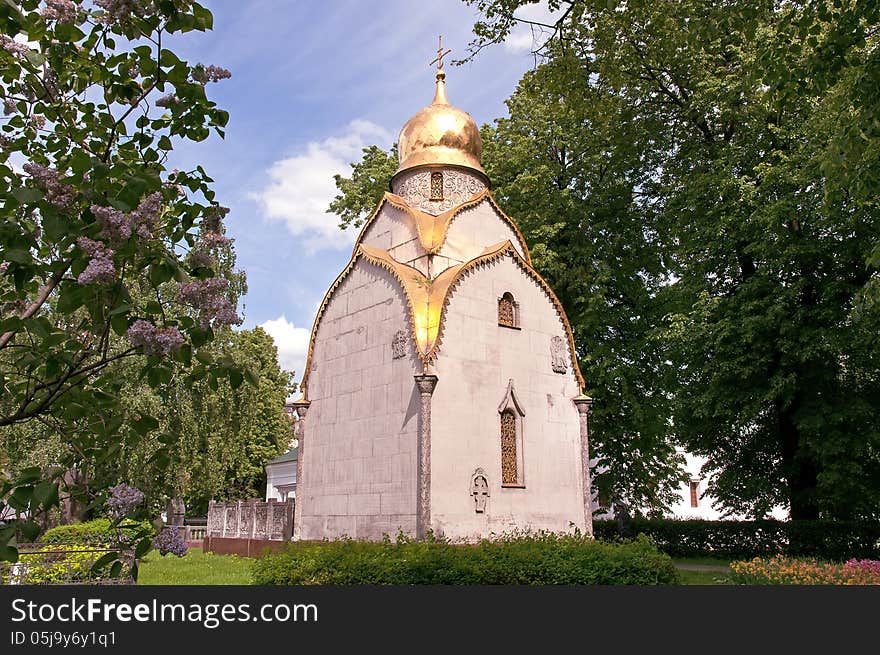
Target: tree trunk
x=799 y=469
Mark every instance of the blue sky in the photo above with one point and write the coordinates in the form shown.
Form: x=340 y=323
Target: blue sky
x=312 y=83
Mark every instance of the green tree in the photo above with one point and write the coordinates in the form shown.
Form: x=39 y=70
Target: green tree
x=761 y=119
x=93 y=103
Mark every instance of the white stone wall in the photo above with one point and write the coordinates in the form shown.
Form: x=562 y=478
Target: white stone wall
x=476 y=359
x=395 y=231
x=359 y=454
x=474 y=229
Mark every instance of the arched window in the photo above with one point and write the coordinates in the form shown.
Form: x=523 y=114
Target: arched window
x=511 y=433
x=508 y=311
x=437 y=185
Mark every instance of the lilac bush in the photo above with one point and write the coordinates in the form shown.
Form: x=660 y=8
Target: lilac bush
x=123 y=500
x=170 y=541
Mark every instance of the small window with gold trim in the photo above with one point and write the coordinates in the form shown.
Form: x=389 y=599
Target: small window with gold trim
x=437 y=185
x=508 y=311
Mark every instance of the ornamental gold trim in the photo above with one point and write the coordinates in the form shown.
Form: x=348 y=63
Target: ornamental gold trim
x=427 y=300
x=433 y=230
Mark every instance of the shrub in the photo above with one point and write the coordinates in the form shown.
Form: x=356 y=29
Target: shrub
x=516 y=559
x=822 y=539
x=55 y=564
x=95 y=532
x=793 y=571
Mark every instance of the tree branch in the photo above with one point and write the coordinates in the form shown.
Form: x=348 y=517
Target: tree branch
x=42 y=296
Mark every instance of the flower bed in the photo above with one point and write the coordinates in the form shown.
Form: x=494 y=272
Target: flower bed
x=792 y=571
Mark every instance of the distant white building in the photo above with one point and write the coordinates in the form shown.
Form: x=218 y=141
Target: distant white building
x=281 y=476
x=695 y=503
x=693 y=500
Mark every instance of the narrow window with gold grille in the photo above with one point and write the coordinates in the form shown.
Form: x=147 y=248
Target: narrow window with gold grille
x=508 y=448
x=437 y=185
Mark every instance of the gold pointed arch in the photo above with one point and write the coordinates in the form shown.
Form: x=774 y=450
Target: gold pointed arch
x=432 y=230
x=427 y=299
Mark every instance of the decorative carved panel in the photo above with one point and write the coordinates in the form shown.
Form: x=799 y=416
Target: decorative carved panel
x=231 y=529
x=559 y=355
x=479 y=490
x=508 y=448
x=398 y=345
x=260 y=527
x=247 y=520
x=416 y=188
x=215 y=520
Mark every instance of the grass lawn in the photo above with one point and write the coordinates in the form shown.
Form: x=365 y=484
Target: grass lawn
x=696 y=577
x=197 y=568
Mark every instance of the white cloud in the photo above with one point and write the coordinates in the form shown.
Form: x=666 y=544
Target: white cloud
x=292 y=343
x=525 y=37
x=300 y=188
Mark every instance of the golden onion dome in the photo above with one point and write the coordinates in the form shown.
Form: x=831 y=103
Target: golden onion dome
x=440 y=135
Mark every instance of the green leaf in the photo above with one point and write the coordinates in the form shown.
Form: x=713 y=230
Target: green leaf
x=143 y=547
x=18 y=256
x=103 y=561
x=46 y=494
x=27 y=195
x=8 y=553
x=29 y=529
x=54 y=225
x=28 y=475
x=145 y=424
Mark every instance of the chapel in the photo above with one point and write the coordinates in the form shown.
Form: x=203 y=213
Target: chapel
x=441 y=393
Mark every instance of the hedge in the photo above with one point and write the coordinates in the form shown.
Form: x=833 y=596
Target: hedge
x=520 y=559
x=93 y=532
x=822 y=539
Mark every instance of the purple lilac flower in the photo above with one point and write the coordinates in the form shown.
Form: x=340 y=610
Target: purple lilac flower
x=12 y=46
x=119 y=11
x=213 y=220
x=9 y=106
x=207 y=296
x=123 y=500
x=168 y=100
x=170 y=541
x=115 y=225
x=63 y=11
x=99 y=270
x=204 y=74
x=200 y=259
x=214 y=239
x=143 y=219
x=153 y=339
x=58 y=193
x=39 y=122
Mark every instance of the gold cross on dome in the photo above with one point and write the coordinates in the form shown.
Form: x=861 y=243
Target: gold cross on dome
x=440 y=54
